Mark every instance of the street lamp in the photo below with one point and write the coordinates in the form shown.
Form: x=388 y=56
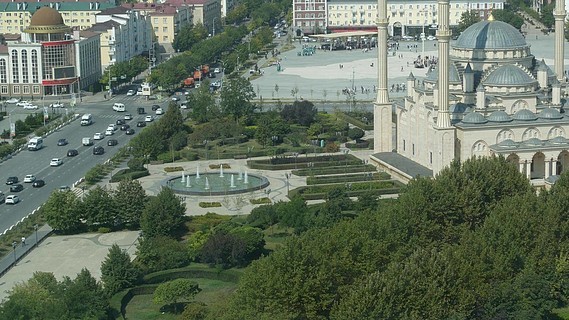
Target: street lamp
x=14 y=245
x=295 y=156
x=287 y=175
x=249 y=149
x=425 y=12
x=36 y=230
x=213 y=22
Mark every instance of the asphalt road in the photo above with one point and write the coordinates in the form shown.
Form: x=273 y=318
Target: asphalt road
x=73 y=168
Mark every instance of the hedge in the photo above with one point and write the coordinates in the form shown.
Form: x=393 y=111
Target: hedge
x=318 y=171
x=290 y=163
x=125 y=174
x=353 y=121
x=365 y=176
x=356 y=193
x=230 y=275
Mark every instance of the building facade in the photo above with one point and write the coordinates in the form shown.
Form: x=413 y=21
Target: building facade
x=206 y=12
x=166 y=20
x=49 y=59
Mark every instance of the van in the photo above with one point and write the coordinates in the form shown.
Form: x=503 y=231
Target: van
x=87 y=141
x=35 y=144
x=119 y=107
x=86 y=119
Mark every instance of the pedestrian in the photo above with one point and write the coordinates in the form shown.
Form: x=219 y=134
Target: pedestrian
x=401 y=68
x=23 y=241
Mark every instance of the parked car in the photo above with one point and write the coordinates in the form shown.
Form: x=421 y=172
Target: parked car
x=12 y=180
x=141 y=124
x=130 y=93
x=62 y=142
x=184 y=105
x=175 y=98
x=56 y=162
x=72 y=153
x=12 y=199
x=16 y=187
x=56 y=105
x=13 y=100
x=98 y=150
x=30 y=106
x=129 y=132
x=98 y=136
x=29 y=178
x=38 y=184
x=112 y=142
x=64 y=188
x=22 y=103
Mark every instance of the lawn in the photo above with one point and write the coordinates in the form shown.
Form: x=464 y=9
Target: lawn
x=213 y=292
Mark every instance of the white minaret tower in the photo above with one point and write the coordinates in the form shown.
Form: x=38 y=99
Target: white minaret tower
x=382 y=114
x=559 y=14
x=443 y=36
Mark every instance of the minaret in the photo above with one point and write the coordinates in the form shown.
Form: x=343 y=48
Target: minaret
x=382 y=112
x=443 y=36
x=559 y=14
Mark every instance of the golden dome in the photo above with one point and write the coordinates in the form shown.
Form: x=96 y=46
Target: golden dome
x=47 y=20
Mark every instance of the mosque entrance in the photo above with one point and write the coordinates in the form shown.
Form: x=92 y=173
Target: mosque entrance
x=562 y=162
x=538 y=166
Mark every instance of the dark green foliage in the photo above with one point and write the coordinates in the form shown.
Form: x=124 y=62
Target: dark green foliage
x=270 y=125
x=160 y=253
x=188 y=36
x=225 y=250
x=300 y=112
x=236 y=98
x=508 y=16
x=467 y=19
x=355 y=133
x=263 y=216
x=136 y=164
x=163 y=214
x=98 y=208
x=130 y=199
x=117 y=271
x=62 y=211
x=173 y=291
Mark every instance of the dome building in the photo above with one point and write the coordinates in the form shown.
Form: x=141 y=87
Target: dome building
x=510 y=104
x=49 y=59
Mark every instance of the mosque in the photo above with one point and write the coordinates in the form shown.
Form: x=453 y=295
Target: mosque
x=488 y=96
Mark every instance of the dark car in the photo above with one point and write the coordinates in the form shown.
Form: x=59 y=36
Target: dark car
x=141 y=124
x=125 y=127
x=211 y=75
x=155 y=107
x=12 y=180
x=112 y=142
x=16 y=188
x=130 y=131
x=72 y=153
x=120 y=122
x=98 y=150
x=62 y=142
x=38 y=184
x=141 y=111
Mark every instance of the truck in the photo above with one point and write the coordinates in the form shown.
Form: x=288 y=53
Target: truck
x=189 y=82
x=198 y=75
x=35 y=144
x=87 y=141
x=86 y=119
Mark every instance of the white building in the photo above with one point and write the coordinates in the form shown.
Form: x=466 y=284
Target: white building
x=488 y=96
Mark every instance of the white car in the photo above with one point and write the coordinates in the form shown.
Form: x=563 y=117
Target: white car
x=98 y=136
x=128 y=116
x=149 y=119
x=29 y=178
x=216 y=70
x=22 y=103
x=159 y=111
x=57 y=105
x=56 y=162
x=175 y=98
x=109 y=132
x=13 y=100
x=12 y=199
x=431 y=38
x=112 y=126
x=130 y=93
x=184 y=105
x=30 y=106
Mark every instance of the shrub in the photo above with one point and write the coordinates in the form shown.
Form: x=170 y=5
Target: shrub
x=210 y=204
x=136 y=164
x=331 y=147
x=104 y=230
x=173 y=169
x=169 y=156
x=217 y=166
x=264 y=200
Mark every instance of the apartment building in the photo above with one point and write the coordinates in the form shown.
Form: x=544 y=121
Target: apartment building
x=79 y=15
x=166 y=20
x=206 y=12
x=406 y=17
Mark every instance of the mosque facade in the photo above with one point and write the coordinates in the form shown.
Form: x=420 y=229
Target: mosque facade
x=487 y=96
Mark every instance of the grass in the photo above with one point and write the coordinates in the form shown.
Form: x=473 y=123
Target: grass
x=141 y=307
x=562 y=313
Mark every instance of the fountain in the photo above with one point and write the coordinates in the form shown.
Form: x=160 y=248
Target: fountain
x=183 y=177
x=206 y=183
x=198 y=172
x=188 y=183
x=240 y=177
x=221 y=170
x=232 y=182
x=212 y=184
x=246 y=178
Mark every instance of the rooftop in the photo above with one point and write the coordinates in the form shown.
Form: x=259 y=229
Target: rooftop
x=104 y=26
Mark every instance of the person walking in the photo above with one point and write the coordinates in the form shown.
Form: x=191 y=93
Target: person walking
x=23 y=241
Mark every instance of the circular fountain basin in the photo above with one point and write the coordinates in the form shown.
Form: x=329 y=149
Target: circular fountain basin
x=212 y=184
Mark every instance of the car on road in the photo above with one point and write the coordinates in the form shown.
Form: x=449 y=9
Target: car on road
x=16 y=187
x=56 y=162
x=184 y=105
x=72 y=153
x=30 y=106
x=12 y=199
x=130 y=93
x=22 y=103
x=159 y=111
x=431 y=38
x=112 y=142
x=62 y=142
x=29 y=178
x=13 y=100
x=109 y=131
x=125 y=127
x=98 y=150
x=141 y=111
x=113 y=126
x=155 y=107
x=57 y=105
x=149 y=119
x=12 y=180
x=64 y=188
x=98 y=136
x=119 y=107
x=38 y=183
x=216 y=70
x=129 y=132
x=141 y=124
x=175 y=98
x=127 y=117
x=120 y=122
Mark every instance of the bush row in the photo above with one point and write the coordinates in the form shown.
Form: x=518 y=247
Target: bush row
x=365 y=176
x=128 y=174
x=337 y=170
x=355 y=121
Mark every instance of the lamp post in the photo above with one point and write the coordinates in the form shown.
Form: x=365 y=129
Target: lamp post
x=213 y=23
x=36 y=230
x=14 y=245
x=287 y=175
x=295 y=156
x=425 y=12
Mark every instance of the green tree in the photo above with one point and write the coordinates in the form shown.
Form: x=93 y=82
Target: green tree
x=203 y=105
x=98 y=207
x=355 y=133
x=130 y=199
x=224 y=250
x=509 y=17
x=236 y=98
x=162 y=214
x=84 y=297
x=269 y=125
x=173 y=291
x=300 y=112
x=117 y=271
x=160 y=253
x=188 y=36
x=467 y=19
x=254 y=240
x=147 y=144
x=196 y=242
x=546 y=14
x=62 y=211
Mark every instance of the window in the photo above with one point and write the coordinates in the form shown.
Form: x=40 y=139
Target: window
x=155 y=20
x=25 y=71
x=16 y=89
x=35 y=77
x=165 y=38
x=403 y=145
x=155 y=29
x=26 y=89
x=36 y=90
x=3 y=72
x=164 y=29
x=4 y=89
x=164 y=20
x=15 y=67
x=431 y=157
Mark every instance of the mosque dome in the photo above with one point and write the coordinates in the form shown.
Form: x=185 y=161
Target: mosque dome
x=490 y=35
x=509 y=75
x=507 y=143
x=499 y=116
x=524 y=115
x=534 y=142
x=559 y=140
x=47 y=20
x=474 y=118
x=550 y=113
x=453 y=75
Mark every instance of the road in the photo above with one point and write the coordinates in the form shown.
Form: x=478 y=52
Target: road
x=73 y=168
